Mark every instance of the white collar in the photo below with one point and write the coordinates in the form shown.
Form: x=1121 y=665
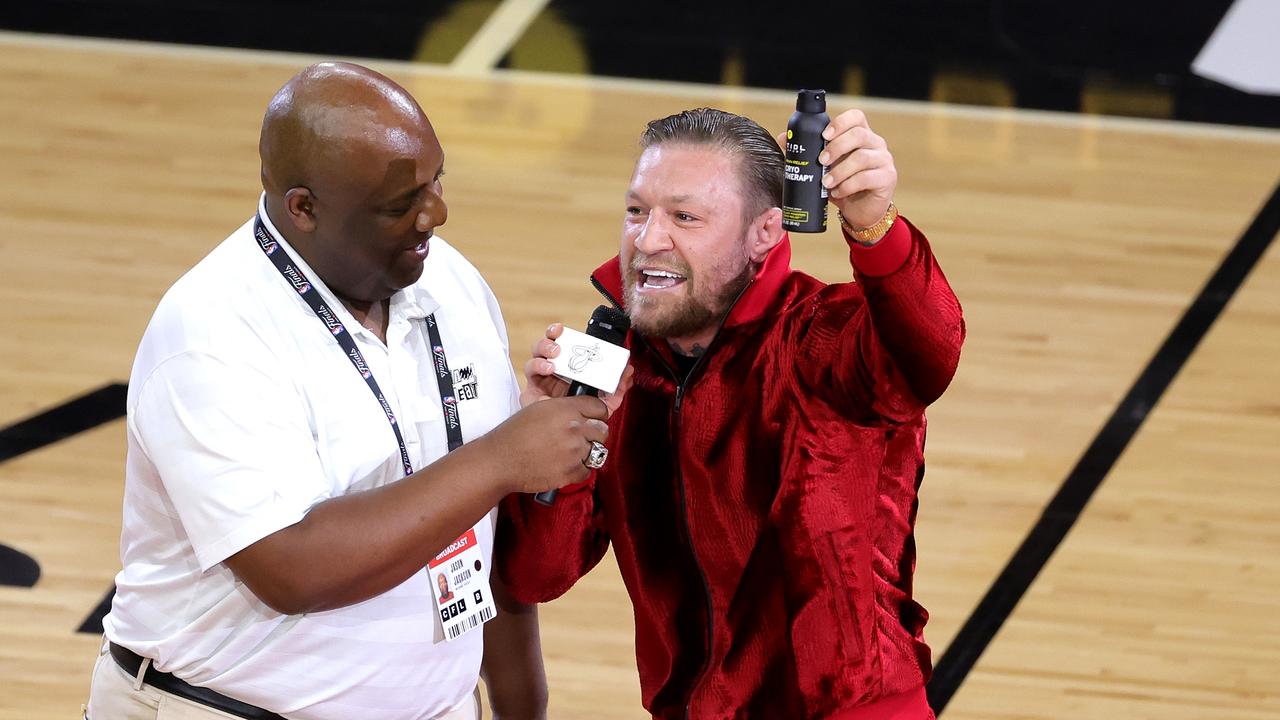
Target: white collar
x=411 y=303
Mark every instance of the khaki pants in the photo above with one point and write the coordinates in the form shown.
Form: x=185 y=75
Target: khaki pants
x=114 y=695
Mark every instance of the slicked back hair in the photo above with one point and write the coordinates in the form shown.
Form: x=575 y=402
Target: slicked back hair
x=760 y=160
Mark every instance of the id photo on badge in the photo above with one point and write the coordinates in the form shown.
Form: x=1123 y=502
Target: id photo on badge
x=442 y=582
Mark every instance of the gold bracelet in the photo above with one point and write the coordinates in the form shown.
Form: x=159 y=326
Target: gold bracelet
x=871 y=235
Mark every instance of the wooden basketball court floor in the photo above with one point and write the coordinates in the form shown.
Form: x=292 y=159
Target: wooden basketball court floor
x=1076 y=244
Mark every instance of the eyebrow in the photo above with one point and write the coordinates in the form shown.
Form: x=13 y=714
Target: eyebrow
x=407 y=194
x=676 y=199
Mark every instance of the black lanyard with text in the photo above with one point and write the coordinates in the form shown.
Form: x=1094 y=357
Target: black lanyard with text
x=295 y=277
x=444 y=378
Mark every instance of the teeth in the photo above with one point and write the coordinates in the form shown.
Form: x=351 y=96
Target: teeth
x=663 y=273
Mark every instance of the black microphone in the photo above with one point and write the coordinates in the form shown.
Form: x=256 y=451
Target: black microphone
x=610 y=325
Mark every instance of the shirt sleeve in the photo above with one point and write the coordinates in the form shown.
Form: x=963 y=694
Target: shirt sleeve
x=233 y=448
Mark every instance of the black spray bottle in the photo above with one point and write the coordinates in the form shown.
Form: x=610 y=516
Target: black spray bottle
x=804 y=197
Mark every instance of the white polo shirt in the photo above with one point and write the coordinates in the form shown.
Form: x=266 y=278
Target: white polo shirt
x=243 y=413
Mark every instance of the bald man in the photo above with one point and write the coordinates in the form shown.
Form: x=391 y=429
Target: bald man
x=322 y=415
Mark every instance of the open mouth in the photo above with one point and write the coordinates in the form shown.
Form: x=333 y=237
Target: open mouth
x=660 y=279
x=422 y=248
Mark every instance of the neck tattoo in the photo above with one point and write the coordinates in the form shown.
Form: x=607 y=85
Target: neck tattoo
x=695 y=351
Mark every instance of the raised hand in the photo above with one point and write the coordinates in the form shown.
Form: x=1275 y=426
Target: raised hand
x=861 y=175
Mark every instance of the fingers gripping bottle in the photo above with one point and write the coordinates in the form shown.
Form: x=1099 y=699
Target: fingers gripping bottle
x=804 y=197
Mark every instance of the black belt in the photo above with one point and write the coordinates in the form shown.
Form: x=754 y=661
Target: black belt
x=131 y=662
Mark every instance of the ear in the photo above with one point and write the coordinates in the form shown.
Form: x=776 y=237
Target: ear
x=765 y=234
x=299 y=205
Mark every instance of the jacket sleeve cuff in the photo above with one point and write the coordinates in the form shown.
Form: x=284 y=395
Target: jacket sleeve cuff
x=885 y=256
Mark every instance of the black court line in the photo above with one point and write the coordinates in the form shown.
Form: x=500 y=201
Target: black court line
x=1012 y=583
x=93 y=621
x=17 y=569
x=86 y=412
x=74 y=416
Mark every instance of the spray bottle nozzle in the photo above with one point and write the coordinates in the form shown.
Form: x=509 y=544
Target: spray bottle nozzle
x=812 y=101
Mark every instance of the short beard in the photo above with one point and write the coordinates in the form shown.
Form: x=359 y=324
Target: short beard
x=692 y=314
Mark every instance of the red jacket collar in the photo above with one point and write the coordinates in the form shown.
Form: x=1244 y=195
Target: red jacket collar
x=755 y=300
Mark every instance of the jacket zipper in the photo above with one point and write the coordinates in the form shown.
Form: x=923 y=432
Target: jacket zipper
x=675 y=461
x=688 y=530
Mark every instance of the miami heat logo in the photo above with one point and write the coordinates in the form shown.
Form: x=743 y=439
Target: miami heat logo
x=465 y=382
x=583 y=356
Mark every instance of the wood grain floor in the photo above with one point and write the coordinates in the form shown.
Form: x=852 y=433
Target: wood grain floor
x=1074 y=244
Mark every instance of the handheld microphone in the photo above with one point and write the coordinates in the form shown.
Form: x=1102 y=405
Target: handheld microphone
x=607 y=324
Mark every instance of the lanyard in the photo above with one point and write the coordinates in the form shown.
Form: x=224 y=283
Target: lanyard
x=444 y=379
x=295 y=277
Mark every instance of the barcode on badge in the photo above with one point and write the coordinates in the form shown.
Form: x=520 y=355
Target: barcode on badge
x=485 y=615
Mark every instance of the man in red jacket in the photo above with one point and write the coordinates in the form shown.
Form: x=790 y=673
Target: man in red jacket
x=761 y=489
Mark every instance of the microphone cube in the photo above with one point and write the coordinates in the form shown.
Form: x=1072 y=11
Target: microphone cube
x=590 y=361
